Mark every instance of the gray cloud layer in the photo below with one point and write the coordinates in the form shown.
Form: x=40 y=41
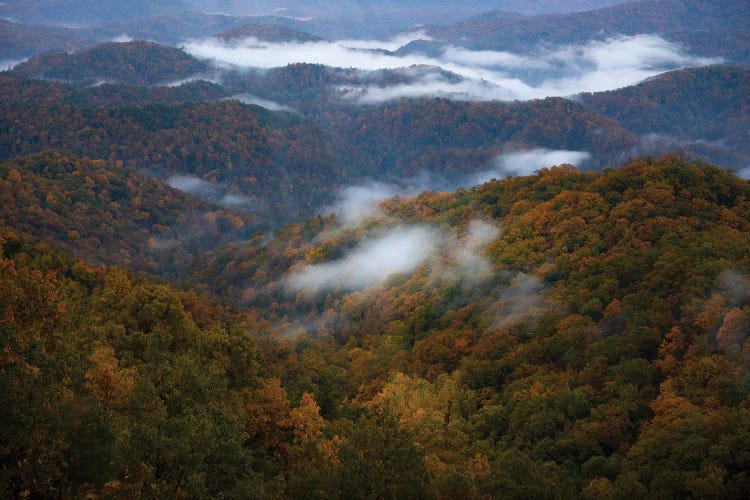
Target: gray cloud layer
x=486 y=75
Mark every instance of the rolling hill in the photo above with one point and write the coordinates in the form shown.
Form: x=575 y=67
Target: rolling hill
x=706 y=110
x=675 y=20
x=135 y=63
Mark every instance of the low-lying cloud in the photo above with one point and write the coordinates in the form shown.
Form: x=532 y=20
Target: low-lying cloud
x=194 y=78
x=528 y=162
x=122 y=38
x=199 y=188
x=357 y=203
x=744 y=173
x=374 y=261
x=471 y=264
x=523 y=301
x=8 y=64
x=482 y=75
x=452 y=257
x=264 y=103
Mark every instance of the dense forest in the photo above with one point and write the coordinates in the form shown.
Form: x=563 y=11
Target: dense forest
x=593 y=343
x=700 y=110
x=694 y=23
x=134 y=63
x=278 y=161
x=319 y=251
x=112 y=215
x=703 y=109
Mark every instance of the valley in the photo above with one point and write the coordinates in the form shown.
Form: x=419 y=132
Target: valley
x=483 y=250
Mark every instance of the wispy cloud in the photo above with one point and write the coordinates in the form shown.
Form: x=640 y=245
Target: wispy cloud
x=264 y=103
x=199 y=188
x=467 y=252
x=356 y=203
x=122 y=38
x=523 y=301
x=7 y=64
x=528 y=162
x=744 y=173
x=194 y=78
x=483 y=75
x=374 y=261
x=459 y=256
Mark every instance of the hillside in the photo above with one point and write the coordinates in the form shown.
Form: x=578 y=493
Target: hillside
x=375 y=250
x=584 y=329
x=672 y=19
x=400 y=138
x=86 y=11
x=712 y=103
x=268 y=33
x=270 y=161
x=564 y=334
x=455 y=139
x=18 y=41
x=135 y=63
x=110 y=215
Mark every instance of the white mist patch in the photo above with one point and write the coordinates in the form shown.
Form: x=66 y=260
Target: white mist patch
x=438 y=86
x=468 y=252
x=394 y=43
x=234 y=201
x=357 y=203
x=190 y=79
x=522 y=301
x=8 y=64
x=374 y=261
x=199 y=188
x=194 y=186
x=528 y=162
x=482 y=75
x=735 y=287
x=122 y=38
x=263 y=103
x=743 y=173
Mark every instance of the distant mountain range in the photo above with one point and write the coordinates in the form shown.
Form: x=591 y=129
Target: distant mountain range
x=689 y=22
x=410 y=11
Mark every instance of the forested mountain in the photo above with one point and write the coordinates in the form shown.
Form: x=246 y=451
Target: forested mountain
x=320 y=250
x=86 y=11
x=568 y=334
x=105 y=213
x=701 y=109
x=348 y=18
x=693 y=23
x=275 y=161
x=454 y=139
x=267 y=32
x=134 y=63
x=19 y=41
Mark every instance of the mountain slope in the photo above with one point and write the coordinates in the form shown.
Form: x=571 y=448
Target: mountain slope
x=596 y=332
x=269 y=33
x=706 y=110
x=594 y=343
x=109 y=215
x=271 y=161
x=135 y=63
x=19 y=41
x=684 y=21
